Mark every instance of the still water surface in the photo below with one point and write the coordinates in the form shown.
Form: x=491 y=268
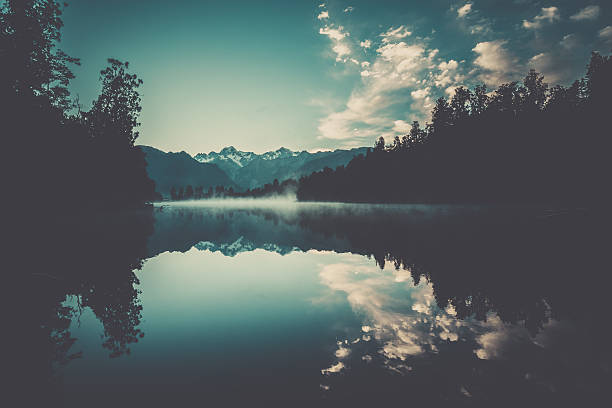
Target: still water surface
x=320 y=304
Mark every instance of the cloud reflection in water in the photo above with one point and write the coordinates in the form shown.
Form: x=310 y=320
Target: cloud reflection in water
x=405 y=322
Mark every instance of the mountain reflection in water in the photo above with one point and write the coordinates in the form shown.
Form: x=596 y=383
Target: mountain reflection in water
x=322 y=303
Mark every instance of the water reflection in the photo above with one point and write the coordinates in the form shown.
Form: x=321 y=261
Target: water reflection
x=78 y=263
x=447 y=304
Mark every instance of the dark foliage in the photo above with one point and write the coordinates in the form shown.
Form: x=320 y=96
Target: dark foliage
x=86 y=261
x=275 y=189
x=79 y=160
x=523 y=143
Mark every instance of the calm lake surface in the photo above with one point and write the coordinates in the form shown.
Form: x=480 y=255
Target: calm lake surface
x=288 y=304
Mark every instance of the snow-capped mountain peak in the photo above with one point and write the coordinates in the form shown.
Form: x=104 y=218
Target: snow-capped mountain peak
x=229 y=153
x=240 y=158
x=281 y=153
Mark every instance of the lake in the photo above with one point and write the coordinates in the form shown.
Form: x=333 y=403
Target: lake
x=274 y=303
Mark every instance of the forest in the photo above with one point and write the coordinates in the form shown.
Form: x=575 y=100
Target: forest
x=81 y=159
x=523 y=143
x=273 y=189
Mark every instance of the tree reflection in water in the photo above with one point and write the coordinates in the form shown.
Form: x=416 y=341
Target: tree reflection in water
x=89 y=258
x=478 y=259
x=503 y=267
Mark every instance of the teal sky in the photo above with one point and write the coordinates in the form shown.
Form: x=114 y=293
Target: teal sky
x=312 y=75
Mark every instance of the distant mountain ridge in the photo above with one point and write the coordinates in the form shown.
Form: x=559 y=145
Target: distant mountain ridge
x=240 y=158
x=237 y=169
x=250 y=170
x=178 y=170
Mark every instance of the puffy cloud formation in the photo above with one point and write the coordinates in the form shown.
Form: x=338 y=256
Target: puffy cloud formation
x=403 y=326
x=398 y=74
x=497 y=62
x=397 y=66
x=402 y=321
x=547 y=15
x=397 y=69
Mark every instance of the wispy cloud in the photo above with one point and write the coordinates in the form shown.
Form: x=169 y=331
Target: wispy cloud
x=587 y=13
x=395 y=34
x=606 y=34
x=464 y=10
x=471 y=20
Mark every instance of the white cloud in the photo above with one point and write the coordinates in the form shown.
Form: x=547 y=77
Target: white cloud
x=401 y=126
x=558 y=63
x=450 y=91
x=420 y=93
x=403 y=56
x=544 y=63
x=470 y=20
x=501 y=340
x=464 y=10
x=401 y=326
x=448 y=73
x=323 y=15
x=587 y=13
x=397 y=66
x=548 y=14
x=341 y=50
x=365 y=44
x=606 y=33
x=335 y=368
x=349 y=9
x=342 y=352
x=335 y=34
x=396 y=73
x=339 y=46
x=395 y=34
x=496 y=61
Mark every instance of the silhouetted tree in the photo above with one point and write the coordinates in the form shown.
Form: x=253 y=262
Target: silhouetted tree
x=95 y=149
x=525 y=143
x=189 y=192
x=32 y=65
x=379 y=146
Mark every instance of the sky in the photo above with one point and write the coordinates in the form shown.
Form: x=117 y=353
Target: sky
x=313 y=75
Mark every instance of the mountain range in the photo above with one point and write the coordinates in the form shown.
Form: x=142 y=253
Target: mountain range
x=240 y=170
x=250 y=170
x=169 y=170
